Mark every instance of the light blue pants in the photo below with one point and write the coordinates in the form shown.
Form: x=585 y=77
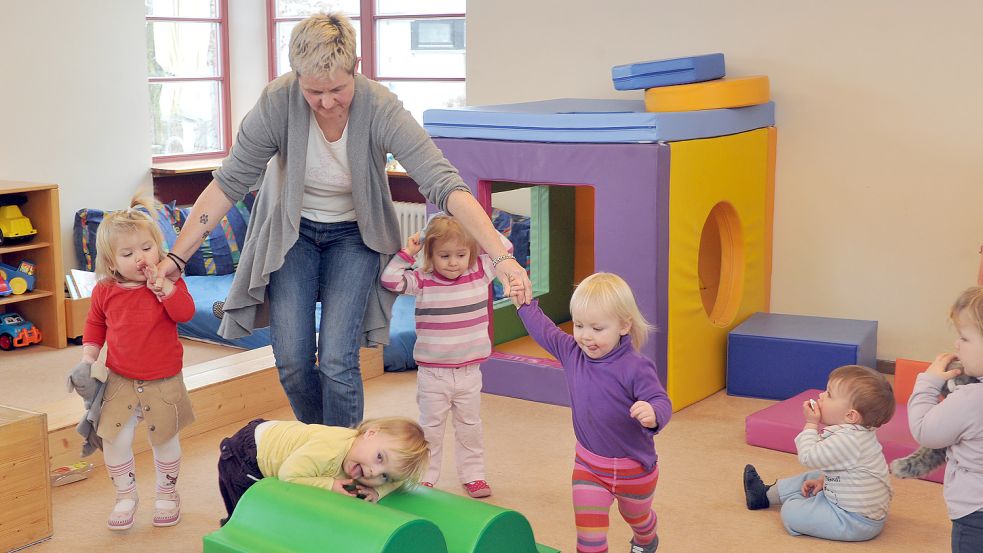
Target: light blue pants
x=817 y=516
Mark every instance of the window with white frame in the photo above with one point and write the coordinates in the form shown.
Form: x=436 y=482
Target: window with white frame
x=414 y=47
x=187 y=68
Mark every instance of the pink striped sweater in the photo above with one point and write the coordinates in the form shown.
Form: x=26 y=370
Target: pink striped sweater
x=451 y=315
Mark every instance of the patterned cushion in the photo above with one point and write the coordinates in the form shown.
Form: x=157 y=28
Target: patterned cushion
x=218 y=255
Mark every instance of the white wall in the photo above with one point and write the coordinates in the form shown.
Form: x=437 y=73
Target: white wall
x=249 y=61
x=74 y=107
x=879 y=180
x=878 y=186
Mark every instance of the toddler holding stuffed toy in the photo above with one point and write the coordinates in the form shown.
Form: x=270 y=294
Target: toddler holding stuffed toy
x=956 y=424
x=137 y=322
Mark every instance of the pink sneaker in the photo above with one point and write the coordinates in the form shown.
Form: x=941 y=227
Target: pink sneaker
x=427 y=484
x=478 y=488
x=168 y=516
x=122 y=516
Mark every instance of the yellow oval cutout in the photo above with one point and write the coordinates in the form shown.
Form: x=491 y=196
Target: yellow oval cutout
x=721 y=264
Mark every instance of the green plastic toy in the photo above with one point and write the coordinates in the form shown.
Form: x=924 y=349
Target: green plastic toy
x=468 y=525
x=277 y=517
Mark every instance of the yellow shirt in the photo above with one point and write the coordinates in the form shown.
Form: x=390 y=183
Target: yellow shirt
x=309 y=454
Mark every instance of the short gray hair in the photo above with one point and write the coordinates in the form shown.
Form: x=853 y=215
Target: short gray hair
x=323 y=43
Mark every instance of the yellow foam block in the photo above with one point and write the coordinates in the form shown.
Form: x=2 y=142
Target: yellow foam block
x=718 y=94
x=720 y=218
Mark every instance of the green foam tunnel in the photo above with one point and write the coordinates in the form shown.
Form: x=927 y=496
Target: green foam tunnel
x=280 y=517
x=468 y=525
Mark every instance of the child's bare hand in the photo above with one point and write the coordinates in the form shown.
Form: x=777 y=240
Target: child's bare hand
x=811 y=411
x=643 y=412
x=371 y=495
x=413 y=245
x=345 y=487
x=150 y=274
x=812 y=487
x=938 y=367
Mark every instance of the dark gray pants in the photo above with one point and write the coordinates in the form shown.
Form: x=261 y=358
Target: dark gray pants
x=967 y=533
x=237 y=467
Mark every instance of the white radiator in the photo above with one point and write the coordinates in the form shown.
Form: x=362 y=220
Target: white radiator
x=412 y=218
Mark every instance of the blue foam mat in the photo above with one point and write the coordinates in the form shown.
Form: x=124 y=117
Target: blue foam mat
x=670 y=72
x=578 y=120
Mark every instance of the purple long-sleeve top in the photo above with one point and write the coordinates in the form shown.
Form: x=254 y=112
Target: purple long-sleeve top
x=603 y=390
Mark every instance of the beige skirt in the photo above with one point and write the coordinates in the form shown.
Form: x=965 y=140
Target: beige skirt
x=163 y=404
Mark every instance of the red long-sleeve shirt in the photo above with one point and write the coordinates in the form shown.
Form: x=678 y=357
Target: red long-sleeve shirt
x=140 y=332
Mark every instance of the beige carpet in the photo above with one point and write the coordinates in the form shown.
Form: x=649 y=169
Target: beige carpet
x=699 y=499
x=33 y=377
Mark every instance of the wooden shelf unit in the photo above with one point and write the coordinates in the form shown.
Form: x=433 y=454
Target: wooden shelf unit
x=44 y=305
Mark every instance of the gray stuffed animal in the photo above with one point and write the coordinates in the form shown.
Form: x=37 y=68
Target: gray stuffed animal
x=924 y=460
x=91 y=389
x=81 y=381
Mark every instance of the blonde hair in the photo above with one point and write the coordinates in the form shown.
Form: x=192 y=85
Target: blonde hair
x=411 y=455
x=611 y=294
x=970 y=302
x=445 y=227
x=323 y=43
x=870 y=393
x=114 y=224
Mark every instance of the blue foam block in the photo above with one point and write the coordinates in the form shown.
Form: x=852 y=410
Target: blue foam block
x=592 y=121
x=650 y=74
x=776 y=356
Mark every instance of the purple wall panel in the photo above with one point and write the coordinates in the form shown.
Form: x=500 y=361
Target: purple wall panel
x=631 y=238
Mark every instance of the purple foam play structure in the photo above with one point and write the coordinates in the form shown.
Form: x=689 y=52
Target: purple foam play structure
x=776 y=427
x=631 y=217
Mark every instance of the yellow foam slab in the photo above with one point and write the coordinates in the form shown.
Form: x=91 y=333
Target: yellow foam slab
x=718 y=94
x=720 y=221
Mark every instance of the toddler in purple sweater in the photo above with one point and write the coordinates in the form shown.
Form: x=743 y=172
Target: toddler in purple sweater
x=618 y=405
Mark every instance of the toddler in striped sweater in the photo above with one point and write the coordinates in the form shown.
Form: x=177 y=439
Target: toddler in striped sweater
x=846 y=493
x=452 y=339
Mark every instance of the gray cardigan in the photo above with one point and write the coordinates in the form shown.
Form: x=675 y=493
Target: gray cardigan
x=270 y=153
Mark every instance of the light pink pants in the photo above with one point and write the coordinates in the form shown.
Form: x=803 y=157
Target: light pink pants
x=458 y=391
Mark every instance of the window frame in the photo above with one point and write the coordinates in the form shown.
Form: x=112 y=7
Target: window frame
x=223 y=80
x=366 y=21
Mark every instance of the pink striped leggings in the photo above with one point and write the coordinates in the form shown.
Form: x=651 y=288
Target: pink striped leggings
x=597 y=482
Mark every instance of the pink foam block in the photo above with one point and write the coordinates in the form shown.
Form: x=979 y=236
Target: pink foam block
x=776 y=427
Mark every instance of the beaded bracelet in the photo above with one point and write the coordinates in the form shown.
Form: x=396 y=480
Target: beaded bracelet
x=178 y=262
x=502 y=258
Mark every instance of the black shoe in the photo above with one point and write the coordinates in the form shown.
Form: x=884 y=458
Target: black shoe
x=755 y=490
x=647 y=548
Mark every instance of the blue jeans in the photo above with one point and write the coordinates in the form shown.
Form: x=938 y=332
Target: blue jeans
x=817 y=516
x=967 y=533
x=330 y=264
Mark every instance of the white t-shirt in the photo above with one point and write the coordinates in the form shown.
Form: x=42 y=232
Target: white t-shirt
x=327 y=181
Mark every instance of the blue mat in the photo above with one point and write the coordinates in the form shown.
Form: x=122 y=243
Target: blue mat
x=592 y=121
x=650 y=74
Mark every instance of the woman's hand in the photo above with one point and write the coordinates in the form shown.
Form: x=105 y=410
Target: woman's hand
x=515 y=281
x=166 y=270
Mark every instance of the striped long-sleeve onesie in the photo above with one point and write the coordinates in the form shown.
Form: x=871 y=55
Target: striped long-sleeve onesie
x=451 y=315
x=854 y=469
